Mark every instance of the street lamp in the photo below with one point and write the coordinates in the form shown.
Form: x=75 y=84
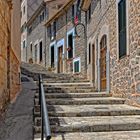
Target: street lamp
x=85 y=37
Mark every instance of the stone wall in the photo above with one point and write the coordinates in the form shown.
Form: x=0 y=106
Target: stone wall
x=34 y=38
x=124 y=73
x=64 y=25
x=15 y=50
x=4 y=39
x=9 y=53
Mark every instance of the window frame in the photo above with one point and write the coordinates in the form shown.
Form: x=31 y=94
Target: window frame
x=76 y=60
x=127 y=29
x=72 y=31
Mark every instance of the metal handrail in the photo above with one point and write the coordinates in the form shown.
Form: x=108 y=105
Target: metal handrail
x=45 y=124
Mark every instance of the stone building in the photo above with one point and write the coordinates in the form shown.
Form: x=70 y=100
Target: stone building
x=110 y=58
x=28 y=7
x=66 y=53
x=23 y=30
x=36 y=36
x=113 y=32
x=9 y=51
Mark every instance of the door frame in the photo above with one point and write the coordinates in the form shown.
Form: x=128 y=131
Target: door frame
x=52 y=44
x=59 y=44
x=104 y=31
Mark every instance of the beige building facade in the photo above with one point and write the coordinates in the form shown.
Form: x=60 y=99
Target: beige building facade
x=114 y=47
x=9 y=51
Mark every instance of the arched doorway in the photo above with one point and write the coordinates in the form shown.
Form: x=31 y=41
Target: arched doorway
x=103 y=51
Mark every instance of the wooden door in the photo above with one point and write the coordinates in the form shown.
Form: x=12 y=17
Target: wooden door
x=60 y=60
x=93 y=62
x=103 y=50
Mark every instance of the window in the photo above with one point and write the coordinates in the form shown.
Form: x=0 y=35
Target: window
x=30 y=29
x=31 y=48
x=36 y=53
x=70 y=46
x=122 y=27
x=89 y=14
x=49 y=31
x=21 y=14
x=24 y=44
x=89 y=53
x=42 y=17
x=73 y=12
x=52 y=56
x=54 y=28
x=40 y=46
x=76 y=65
x=23 y=10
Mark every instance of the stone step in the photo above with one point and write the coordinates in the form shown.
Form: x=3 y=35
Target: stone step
x=68 y=84
x=64 y=81
x=89 y=110
x=69 y=90
x=83 y=101
x=66 y=90
x=75 y=95
x=66 y=87
x=93 y=124
x=116 y=135
x=50 y=77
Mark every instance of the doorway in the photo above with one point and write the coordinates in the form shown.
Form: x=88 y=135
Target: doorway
x=103 y=50
x=60 y=59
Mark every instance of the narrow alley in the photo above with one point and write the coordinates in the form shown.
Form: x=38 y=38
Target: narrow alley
x=70 y=69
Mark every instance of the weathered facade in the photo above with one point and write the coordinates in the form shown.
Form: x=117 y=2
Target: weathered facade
x=28 y=7
x=23 y=30
x=110 y=57
x=36 y=36
x=113 y=44
x=66 y=53
x=9 y=51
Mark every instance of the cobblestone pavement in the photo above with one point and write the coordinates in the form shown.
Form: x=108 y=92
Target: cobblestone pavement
x=18 y=122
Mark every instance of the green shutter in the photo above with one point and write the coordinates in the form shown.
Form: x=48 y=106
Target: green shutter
x=122 y=27
x=76 y=66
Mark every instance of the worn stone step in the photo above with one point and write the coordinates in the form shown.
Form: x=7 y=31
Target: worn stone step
x=68 y=84
x=75 y=95
x=90 y=110
x=64 y=81
x=116 y=135
x=68 y=90
x=84 y=101
x=67 y=87
x=93 y=124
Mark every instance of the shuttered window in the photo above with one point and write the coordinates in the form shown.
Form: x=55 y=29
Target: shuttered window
x=70 y=46
x=77 y=66
x=122 y=27
x=89 y=54
x=52 y=56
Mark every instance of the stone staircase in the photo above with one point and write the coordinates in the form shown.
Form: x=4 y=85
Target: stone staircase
x=78 y=112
